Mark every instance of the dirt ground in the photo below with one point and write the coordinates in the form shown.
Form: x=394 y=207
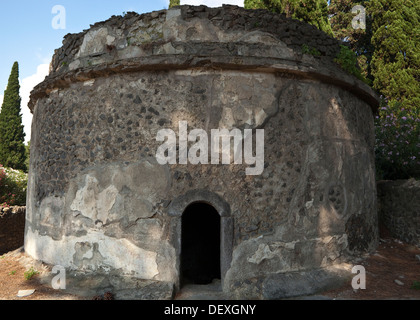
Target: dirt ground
x=13 y=266
x=392 y=272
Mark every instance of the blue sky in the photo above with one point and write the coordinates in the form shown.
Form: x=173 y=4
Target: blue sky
x=27 y=34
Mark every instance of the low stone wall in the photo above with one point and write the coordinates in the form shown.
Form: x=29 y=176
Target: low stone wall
x=12 y=228
x=399 y=209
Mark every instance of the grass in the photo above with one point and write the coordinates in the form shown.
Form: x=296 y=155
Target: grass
x=29 y=274
x=416 y=285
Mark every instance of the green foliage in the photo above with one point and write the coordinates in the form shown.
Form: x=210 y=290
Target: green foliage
x=359 y=40
x=27 y=154
x=174 y=3
x=416 y=285
x=397 y=147
x=396 y=72
x=29 y=274
x=13 y=185
x=2 y=187
x=348 y=61
x=314 y=12
x=12 y=136
x=396 y=59
x=309 y=50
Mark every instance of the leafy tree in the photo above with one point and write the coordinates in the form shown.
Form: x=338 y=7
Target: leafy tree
x=13 y=186
x=347 y=59
x=314 y=12
x=397 y=148
x=396 y=59
x=174 y=3
x=12 y=136
x=396 y=73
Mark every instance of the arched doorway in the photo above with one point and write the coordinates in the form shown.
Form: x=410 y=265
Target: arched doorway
x=200 y=244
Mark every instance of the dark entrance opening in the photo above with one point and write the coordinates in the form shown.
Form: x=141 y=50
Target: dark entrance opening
x=200 y=244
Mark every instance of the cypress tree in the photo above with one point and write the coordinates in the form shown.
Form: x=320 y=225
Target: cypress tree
x=12 y=136
x=396 y=60
x=314 y=12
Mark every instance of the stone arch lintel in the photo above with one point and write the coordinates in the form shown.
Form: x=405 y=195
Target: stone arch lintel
x=178 y=206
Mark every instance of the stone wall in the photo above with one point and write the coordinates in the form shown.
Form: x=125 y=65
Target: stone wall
x=12 y=228
x=117 y=44
x=399 y=209
x=149 y=36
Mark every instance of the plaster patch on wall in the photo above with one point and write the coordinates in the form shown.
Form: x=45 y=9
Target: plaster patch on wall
x=261 y=254
x=51 y=208
x=116 y=191
x=93 y=204
x=111 y=253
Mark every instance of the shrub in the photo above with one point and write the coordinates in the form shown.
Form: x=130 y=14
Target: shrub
x=29 y=274
x=309 y=50
x=13 y=185
x=397 y=148
x=173 y=3
x=347 y=60
x=416 y=285
x=2 y=183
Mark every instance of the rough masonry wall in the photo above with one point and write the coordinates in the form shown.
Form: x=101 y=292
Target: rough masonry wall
x=187 y=37
x=12 y=228
x=399 y=209
x=145 y=32
x=101 y=184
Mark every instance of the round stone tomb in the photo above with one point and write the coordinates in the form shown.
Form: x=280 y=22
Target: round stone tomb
x=194 y=144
